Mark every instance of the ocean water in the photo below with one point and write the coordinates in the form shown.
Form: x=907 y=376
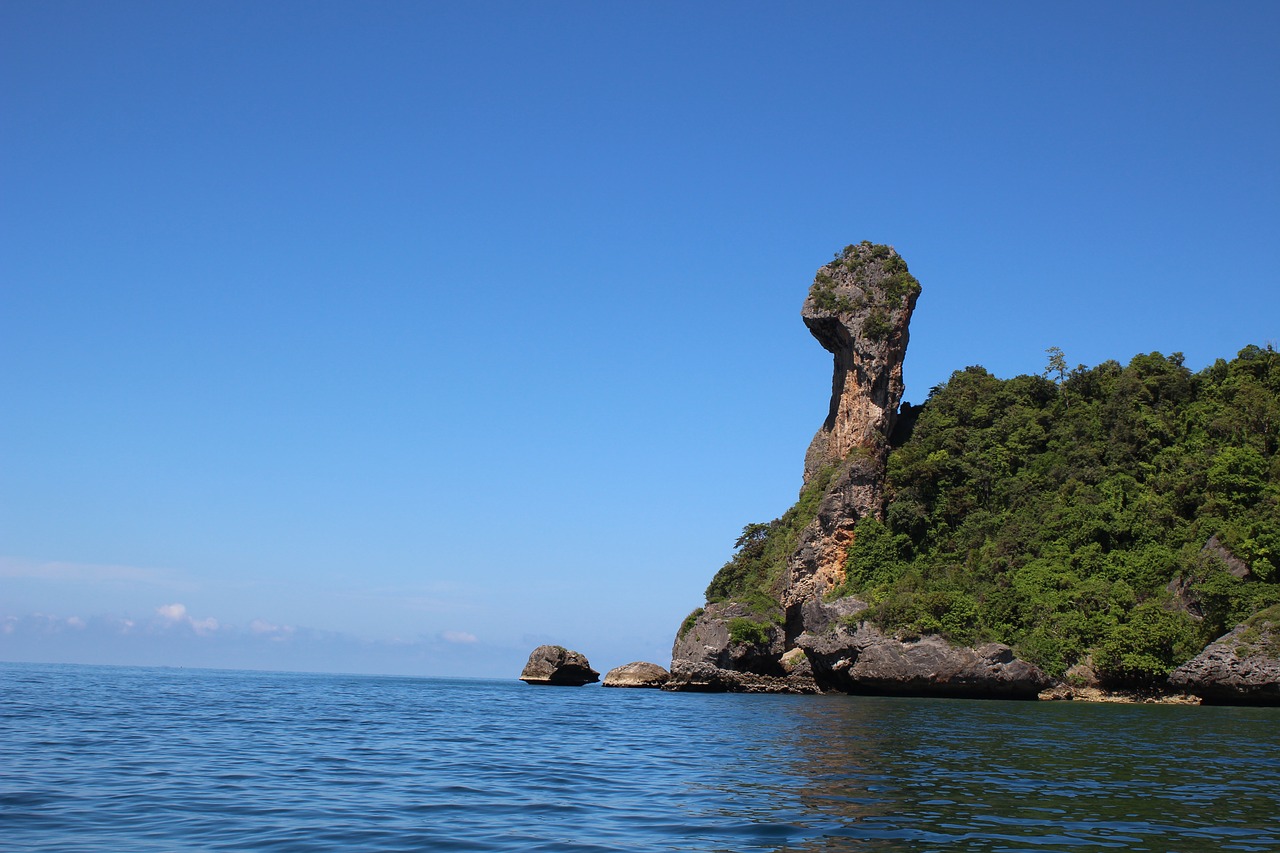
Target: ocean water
x=123 y=759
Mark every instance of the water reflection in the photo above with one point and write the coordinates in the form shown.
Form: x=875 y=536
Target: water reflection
x=903 y=774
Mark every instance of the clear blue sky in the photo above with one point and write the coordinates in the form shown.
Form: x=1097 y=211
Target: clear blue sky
x=401 y=337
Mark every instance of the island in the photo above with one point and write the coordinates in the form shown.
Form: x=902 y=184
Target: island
x=1087 y=532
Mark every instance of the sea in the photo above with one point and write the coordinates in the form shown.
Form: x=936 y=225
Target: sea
x=145 y=759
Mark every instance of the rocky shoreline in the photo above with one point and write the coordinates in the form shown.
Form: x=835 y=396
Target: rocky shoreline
x=851 y=657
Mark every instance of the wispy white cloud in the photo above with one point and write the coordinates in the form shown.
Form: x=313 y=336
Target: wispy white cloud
x=270 y=630
x=54 y=570
x=172 y=612
x=204 y=626
x=175 y=614
x=169 y=635
x=437 y=597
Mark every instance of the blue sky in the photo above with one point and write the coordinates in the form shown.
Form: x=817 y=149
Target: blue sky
x=401 y=337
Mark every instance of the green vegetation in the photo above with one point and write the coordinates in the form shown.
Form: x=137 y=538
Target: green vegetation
x=895 y=283
x=687 y=625
x=1053 y=515
x=754 y=573
x=826 y=298
x=1261 y=633
x=744 y=630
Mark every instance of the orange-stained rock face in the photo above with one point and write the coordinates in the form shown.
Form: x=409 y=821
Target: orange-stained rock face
x=859 y=308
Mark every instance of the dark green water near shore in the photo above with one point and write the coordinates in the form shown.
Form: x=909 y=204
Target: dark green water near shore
x=103 y=758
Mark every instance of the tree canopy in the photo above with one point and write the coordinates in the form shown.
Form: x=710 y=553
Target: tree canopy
x=1069 y=518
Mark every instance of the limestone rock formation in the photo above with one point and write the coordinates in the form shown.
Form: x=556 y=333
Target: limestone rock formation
x=770 y=623
x=859 y=308
x=1241 y=667
x=728 y=635
x=727 y=647
x=817 y=564
x=637 y=674
x=559 y=666
x=850 y=655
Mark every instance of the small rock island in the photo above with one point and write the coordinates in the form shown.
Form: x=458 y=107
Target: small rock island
x=556 y=665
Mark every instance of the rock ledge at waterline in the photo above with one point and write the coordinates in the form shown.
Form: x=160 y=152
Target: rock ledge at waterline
x=637 y=674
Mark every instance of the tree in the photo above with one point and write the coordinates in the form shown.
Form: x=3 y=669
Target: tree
x=1057 y=364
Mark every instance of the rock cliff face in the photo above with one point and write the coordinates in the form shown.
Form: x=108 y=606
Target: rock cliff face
x=856 y=657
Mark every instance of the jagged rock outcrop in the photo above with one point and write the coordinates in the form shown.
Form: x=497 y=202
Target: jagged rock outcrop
x=859 y=658
x=817 y=565
x=637 y=674
x=729 y=635
x=859 y=308
x=850 y=655
x=1241 y=667
x=728 y=647
x=1235 y=566
x=557 y=665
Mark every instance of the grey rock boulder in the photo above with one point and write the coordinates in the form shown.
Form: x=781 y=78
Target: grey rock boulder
x=710 y=640
x=1235 y=566
x=861 y=659
x=637 y=674
x=557 y=665
x=706 y=658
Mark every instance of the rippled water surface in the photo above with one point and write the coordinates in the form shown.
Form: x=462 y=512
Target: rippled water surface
x=103 y=758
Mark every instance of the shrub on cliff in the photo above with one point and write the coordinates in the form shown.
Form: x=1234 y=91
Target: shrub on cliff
x=752 y=575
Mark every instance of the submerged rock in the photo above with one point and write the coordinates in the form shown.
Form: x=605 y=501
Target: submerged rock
x=637 y=674
x=558 y=666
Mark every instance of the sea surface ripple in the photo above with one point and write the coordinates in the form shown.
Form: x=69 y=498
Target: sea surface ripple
x=131 y=759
